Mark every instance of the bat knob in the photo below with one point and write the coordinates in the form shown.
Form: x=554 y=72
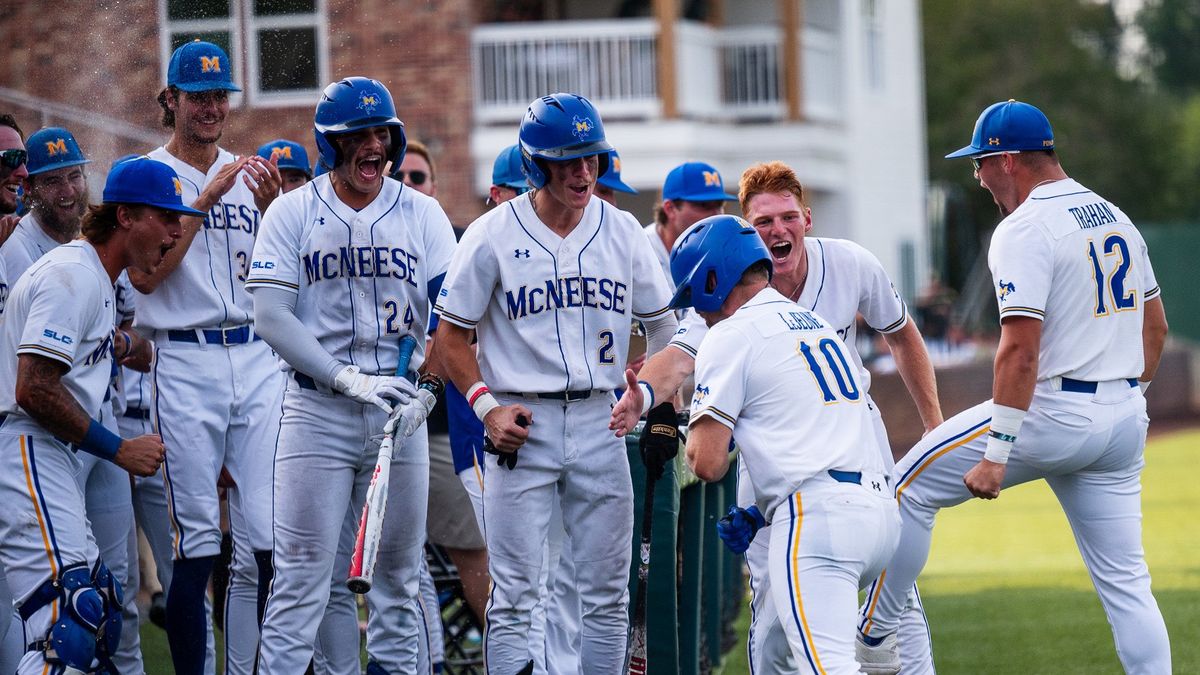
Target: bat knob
x=358 y=585
x=522 y=421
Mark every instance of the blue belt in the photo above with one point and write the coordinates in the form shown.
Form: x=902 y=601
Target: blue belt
x=238 y=335
x=846 y=476
x=304 y=381
x=1082 y=387
x=136 y=413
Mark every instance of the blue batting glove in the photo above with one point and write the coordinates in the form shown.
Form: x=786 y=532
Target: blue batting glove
x=738 y=527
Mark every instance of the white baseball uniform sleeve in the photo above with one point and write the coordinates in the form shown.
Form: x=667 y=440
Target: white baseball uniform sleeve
x=206 y=290
x=522 y=286
x=1074 y=260
x=779 y=373
x=382 y=266
x=27 y=243
x=62 y=309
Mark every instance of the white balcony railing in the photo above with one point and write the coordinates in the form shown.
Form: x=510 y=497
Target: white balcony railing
x=728 y=73
x=613 y=63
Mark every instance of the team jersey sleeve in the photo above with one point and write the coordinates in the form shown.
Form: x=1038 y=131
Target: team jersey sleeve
x=276 y=259
x=49 y=330
x=879 y=302
x=651 y=292
x=1149 y=281
x=126 y=299
x=692 y=330
x=470 y=280
x=439 y=248
x=721 y=374
x=1021 y=259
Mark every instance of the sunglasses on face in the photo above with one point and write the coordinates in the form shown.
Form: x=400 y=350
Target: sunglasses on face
x=414 y=177
x=976 y=158
x=11 y=159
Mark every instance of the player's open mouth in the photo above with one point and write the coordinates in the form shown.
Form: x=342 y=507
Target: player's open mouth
x=369 y=167
x=580 y=189
x=780 y=251
x=12 y=187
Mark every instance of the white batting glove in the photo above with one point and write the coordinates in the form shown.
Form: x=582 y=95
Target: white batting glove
x=409 y=417
x=378 y=390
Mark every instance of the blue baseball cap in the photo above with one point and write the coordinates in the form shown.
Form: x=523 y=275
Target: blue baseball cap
x=696 y=182
x=611 y=179
x=1007 y=126
x=52 y=148
x=506 y=171
x=291 y=155
x=141 y=180
x=200 y=66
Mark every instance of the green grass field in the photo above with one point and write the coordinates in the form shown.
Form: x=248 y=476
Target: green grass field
x=1006 y=591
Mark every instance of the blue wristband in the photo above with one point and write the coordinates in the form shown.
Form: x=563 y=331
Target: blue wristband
x=100 y=442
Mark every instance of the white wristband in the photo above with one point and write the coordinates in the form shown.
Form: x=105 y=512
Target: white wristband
x=1143 y=386
x=481 y=400
x=1006 y=422
x=647 y=396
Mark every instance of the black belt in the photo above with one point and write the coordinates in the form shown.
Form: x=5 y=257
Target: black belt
x=846 y=476
x=577 y=395
x=1082 y=387
x=239 y=335
x=136 y=413
x=304 y=381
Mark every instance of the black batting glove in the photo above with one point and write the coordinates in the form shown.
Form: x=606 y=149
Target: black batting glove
x=660 y=439
x=507 y=460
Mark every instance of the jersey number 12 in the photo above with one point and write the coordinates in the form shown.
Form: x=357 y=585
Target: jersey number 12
x=1113 y=246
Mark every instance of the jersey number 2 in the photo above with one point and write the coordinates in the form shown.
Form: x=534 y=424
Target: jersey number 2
x=1114 y=280
x=607 y=342
x=838 y=365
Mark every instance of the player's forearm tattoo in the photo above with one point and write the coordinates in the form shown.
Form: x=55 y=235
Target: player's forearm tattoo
x=41 y=393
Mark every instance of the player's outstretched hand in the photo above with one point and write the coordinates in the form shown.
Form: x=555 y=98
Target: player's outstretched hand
x=221 y=183
x=507 y=426
x=985 y=479
x=738 y=527
x=660 y=439
x=627 y=411
x=263 y=179
x=379 y=390
x=141 y=456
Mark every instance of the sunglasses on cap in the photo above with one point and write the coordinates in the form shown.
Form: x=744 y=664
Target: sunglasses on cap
x=11 y=159
x=415 y=177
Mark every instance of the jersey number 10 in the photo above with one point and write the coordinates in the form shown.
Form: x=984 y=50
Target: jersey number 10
x=837 y=364
x=1114 y=280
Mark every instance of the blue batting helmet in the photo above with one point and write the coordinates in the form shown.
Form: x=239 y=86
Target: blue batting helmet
x=709 y=259
x=559 y=127
x=352 y=104
x=52 y=148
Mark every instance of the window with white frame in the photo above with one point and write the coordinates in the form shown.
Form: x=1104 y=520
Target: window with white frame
x=281 y=46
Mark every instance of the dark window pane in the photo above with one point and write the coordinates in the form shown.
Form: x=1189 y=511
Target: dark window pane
x=219 y=38
x=275 y=7
x=185 y=10
x=287 y=59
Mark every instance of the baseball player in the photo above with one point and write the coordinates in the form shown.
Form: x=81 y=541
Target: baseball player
x=779 y=377
x=841 y=280
x=508 y=180
x=344 y=267
x=550 y=282
x=1081 y=324
x=56 y=191
x=59 y=348
x=610 y=183
x=292 y=161
x=692 y=191
x=217 y=390
x=12 y=173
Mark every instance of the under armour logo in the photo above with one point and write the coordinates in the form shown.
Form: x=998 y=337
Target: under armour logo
x=876 y=486
x=106 y=303
x=320 y=220
x=520 y=253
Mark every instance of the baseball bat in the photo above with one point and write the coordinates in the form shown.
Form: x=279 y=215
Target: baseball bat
x=370 y=526
x=637 y=638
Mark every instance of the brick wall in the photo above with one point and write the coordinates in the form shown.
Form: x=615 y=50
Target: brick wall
x=104 y=57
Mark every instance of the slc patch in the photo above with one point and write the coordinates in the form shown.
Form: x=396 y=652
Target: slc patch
x=263 y=266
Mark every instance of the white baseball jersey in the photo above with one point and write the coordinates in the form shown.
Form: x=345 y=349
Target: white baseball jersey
x=206 y=290
x=525 y=289
x=781 y=374
x=63 y=309
x=27 y=243
x=844 y=280
x=661 y=253
x=375 y=265
x=1071 y=258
